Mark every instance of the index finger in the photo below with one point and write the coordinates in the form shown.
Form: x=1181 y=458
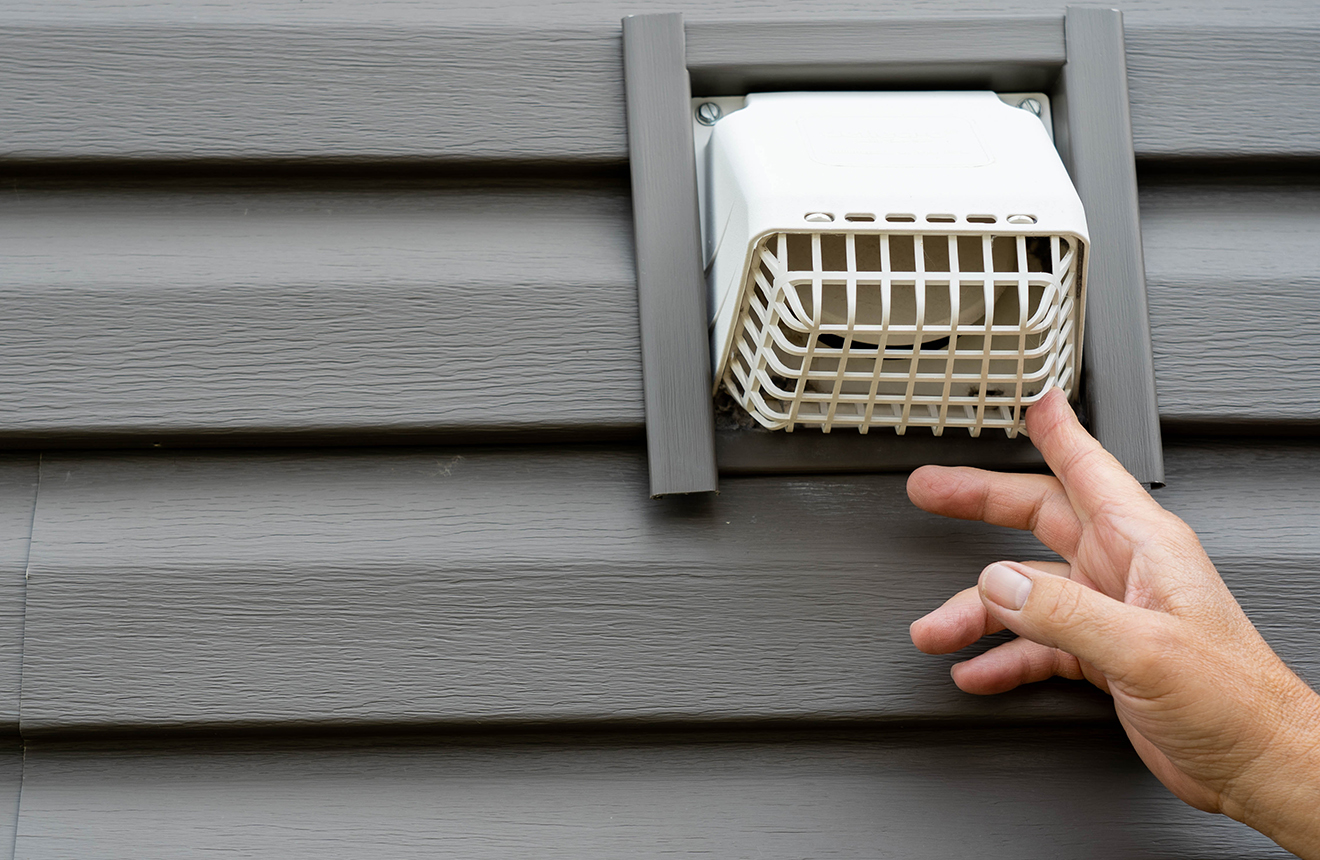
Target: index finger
x=1092 y=477
x=1034 y=503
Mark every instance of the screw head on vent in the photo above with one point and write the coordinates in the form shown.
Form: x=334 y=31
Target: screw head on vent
x=709 y=113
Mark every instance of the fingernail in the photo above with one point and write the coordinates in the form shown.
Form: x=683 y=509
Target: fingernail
x=1005 y=586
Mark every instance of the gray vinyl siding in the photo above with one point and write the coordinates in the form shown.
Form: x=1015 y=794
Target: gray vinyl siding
x=901 y=795
x=323 y=518
x=200 y=312
x=522 y=81
x=541 y=584
x=1234 y=300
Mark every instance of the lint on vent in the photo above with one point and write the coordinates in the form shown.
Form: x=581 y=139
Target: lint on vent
x=891 y=260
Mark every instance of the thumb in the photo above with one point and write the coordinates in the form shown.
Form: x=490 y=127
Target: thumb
x=1058 y=612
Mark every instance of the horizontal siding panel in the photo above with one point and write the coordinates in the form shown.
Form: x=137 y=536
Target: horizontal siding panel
x=470 y=585
x=404 y=308
x=1234 y=301
x=1018 y=795
x=310 y=91
x=164 y=312
x=1235 y=92
x=423 y=86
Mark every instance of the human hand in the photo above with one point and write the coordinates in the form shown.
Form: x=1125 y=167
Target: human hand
x=1138 y=610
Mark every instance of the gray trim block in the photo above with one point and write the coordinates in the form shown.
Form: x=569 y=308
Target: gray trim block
x=671 y=291
x=1095 y=139
x=1118 y=370
x=808 y=451
x=736 y=57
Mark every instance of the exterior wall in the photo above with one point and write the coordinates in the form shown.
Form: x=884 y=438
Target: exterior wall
x=323 y=522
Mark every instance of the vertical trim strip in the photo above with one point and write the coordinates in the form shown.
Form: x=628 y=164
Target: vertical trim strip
x=671 y=290
x=1117 y=364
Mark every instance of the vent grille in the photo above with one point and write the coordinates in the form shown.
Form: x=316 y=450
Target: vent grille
x=866 y=329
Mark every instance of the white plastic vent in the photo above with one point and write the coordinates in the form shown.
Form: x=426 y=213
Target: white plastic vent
x=891 y=260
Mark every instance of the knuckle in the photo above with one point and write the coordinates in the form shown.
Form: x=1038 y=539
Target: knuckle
x=1174 y=528
x=1142 y=659
x=1148 y=653
x=1067 y=666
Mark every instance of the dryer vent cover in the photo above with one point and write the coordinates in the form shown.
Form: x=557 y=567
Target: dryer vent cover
x=892 y=260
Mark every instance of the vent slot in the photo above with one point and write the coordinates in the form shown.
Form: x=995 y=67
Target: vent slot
x=904 y=329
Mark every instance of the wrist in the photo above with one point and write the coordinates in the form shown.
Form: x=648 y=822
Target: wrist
x=1279 y=795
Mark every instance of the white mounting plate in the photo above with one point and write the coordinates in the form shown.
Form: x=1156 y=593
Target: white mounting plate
x=700 y=140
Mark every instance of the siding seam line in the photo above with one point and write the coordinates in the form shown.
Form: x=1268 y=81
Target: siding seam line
x=22 y=653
